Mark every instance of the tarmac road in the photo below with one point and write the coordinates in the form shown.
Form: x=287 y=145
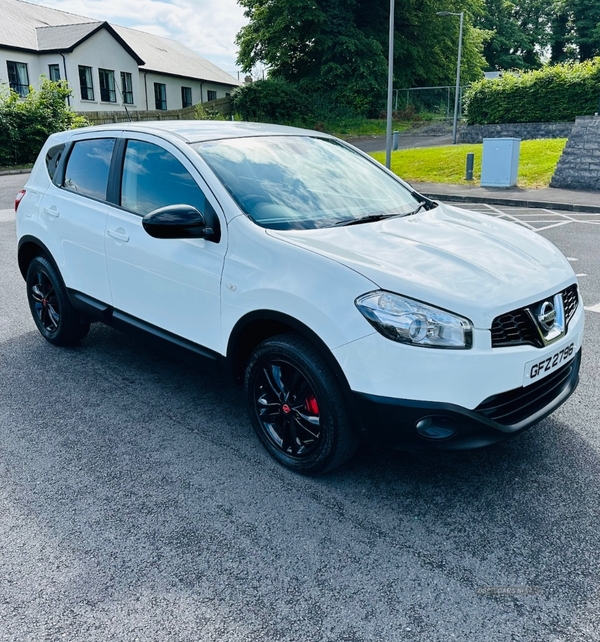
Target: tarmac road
x=136 y=504
x=405 y=141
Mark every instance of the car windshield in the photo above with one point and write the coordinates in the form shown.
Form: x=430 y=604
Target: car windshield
x=303 y=182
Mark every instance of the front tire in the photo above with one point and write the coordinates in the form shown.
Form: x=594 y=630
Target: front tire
x=55 y=317
x=297 y=407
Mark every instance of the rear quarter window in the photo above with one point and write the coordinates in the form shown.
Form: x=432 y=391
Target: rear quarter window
x=53 y=156
x=88 y=167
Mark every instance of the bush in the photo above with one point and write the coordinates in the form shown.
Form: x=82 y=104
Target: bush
x=26 y=123
x=551 y=94
x=271 y=101
x=207 y=113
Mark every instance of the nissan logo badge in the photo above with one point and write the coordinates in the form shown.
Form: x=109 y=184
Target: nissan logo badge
x=547 y=316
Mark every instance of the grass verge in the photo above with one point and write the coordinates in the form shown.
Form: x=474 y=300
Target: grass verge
x=9 y=168
x=537 y=162
x=354 y=127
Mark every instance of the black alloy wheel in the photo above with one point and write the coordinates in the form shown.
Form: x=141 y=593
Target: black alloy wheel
x=288 y=409
x=54 y=315
x=297 y=407
x=45 y=302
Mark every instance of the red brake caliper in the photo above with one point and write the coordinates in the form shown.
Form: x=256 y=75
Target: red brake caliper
x=311 y=405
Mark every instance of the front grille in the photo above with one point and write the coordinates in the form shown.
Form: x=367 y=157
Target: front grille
x=517 y=328
x=570 y=301
x=514 y=329
x=512 y=407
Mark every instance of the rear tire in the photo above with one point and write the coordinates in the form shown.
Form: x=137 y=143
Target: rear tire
x=297 y=407
x=55 y=317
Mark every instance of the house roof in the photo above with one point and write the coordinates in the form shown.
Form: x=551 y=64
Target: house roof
x=33 y=27
x=67 y=37
x=171 y=57
x=21 y=19
x=64 y=36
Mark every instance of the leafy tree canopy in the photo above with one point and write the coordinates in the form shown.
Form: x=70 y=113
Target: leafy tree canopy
x=339 y=47
x=519 y=32
x=524 y=34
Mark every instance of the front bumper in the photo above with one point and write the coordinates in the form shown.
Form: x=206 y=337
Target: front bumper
x=444 y=426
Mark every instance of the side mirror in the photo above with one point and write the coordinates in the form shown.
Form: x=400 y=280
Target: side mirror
x=177 y=222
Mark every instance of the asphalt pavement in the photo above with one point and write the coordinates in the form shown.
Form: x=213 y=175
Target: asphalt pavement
x=405 y=141
x=137 y=504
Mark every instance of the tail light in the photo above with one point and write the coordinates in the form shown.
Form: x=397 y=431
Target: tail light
x=18 y=199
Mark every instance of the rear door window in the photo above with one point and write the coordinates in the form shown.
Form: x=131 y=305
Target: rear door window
x=88 y=167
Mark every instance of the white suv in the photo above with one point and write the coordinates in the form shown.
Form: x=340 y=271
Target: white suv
x=347 y=304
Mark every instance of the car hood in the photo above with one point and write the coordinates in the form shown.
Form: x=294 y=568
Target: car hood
x=469 y=263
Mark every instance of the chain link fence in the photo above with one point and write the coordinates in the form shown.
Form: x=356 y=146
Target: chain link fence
x=434 y=101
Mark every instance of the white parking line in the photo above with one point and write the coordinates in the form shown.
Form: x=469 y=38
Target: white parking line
x=578 y=275
x=593 y=308
x=515 y=219
x=539 y=229
x=7 y=215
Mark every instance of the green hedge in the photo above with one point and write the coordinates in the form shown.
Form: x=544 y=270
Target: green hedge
x=551 y=94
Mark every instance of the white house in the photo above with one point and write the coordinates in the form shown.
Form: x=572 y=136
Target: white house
x=106 y=65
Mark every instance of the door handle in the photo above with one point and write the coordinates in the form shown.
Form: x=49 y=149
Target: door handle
x=52 y=211
x=118 y=234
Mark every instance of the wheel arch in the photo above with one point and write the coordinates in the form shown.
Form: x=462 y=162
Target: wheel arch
x=253 y=328
x=29 y=248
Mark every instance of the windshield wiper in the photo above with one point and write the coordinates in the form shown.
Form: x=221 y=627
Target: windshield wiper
x=370 y=218
x=421 y=206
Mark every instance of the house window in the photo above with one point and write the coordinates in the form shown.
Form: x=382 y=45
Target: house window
x=107 y=86
x=126 y=88
x=18 y=77
x=160 y=95
x=211 y=95
x=54 y=73
x=186 y=96
x=85 y=83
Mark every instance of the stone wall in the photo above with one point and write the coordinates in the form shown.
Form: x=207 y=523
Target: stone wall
x=579 y=165
x=524 y=131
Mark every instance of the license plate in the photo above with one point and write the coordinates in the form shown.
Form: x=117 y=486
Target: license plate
x=540 y=368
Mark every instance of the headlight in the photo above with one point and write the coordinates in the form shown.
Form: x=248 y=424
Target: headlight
x=418 y=324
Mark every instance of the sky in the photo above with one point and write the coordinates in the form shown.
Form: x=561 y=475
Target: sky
x=208 y=27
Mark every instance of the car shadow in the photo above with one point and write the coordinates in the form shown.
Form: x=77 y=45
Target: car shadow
x=130 y=476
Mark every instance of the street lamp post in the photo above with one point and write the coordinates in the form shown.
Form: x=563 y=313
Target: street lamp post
x=388 y=137
x=457 y=92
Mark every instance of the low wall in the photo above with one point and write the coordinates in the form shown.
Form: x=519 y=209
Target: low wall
x=524 y=131
x=579 y=165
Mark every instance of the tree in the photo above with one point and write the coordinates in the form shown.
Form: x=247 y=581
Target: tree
x=574 y=32
x=519 y=33
x=586 y=27
x=339 y=47
x=559 y=33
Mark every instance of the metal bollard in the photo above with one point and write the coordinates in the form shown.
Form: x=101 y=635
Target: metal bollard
x=470 y=163
x=395 y=141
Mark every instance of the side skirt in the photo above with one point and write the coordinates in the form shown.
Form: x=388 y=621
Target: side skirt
x=157 y=337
